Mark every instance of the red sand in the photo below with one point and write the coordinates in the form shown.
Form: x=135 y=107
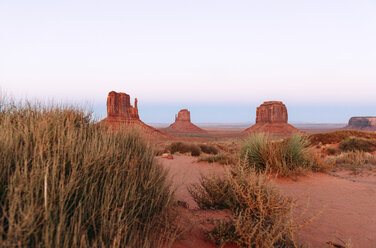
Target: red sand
x=348 y=203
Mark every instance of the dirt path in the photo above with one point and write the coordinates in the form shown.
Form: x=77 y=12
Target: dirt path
x=348 y=203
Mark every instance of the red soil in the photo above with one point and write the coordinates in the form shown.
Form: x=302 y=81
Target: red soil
x=347 y=201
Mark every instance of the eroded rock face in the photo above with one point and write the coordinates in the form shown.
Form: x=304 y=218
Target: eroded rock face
x=271 y=117
x=362 y=123
x=121 y=114
x=119 y=106
x=183 y=124
x=271 y=112
x=183 y=115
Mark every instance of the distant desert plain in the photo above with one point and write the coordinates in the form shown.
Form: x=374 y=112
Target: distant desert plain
x=338 y=198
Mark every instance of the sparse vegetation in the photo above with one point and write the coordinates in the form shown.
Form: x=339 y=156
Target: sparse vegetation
x=354 y=160
x=208 y=149
x=331 y=151
x=338 y=136
x=261 y=216
x=67 y=182
x=357 y=144
x=222 y=158
x=288 y=157
x=182 y=147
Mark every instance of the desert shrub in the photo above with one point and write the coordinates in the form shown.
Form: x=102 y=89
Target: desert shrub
x=67 y=182
x=181 y=147
x=261 y=215
x=195 y=150
x=208 y=149
x=354 y=160
x=287 y=157
x=177 y=147
x=222 y=158
x=357 y=144
x=331 y=151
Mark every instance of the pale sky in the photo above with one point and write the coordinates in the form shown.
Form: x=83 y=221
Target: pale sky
x=219 y=58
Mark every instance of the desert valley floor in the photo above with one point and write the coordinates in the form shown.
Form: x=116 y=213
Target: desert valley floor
x=343 y=203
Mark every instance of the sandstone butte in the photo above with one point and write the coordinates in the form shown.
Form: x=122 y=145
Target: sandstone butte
x=183 y=124
x=121 y=114
x=271 y=117
x=366 y=123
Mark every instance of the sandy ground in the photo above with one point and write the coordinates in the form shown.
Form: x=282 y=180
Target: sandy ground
x=347 y=203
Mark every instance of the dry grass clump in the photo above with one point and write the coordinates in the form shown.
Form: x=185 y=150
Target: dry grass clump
x=66 y=182
x=354 y=160
x=338 y=136
x=182 y=147
x=357 y=144
x=261 y=215
x=288 y=157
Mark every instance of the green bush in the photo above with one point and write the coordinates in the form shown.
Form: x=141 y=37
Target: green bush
x=261 y=215
x=287 y=157
x=357 y=144
x=67 y=182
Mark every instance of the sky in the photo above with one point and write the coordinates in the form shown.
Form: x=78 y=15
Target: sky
x=221 y=59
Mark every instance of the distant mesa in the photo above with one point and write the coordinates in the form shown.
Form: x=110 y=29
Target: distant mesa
x=183 y=124
x=120 y=113
x=366 y=123
x=271 y=117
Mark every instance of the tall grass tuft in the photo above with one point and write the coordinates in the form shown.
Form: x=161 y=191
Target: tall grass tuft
x=287 y=157
x=67 y=182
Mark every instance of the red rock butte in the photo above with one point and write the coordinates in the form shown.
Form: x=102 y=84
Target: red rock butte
x=119 y=107
x=183 y=124
x=271 y=117
x=120 y=113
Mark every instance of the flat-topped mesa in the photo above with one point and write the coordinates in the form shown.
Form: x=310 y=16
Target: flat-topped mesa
x=366 y=123
x=183 y=124
x=271 y=112
x=183 y=115
x=271 y=117
x=119 y=106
